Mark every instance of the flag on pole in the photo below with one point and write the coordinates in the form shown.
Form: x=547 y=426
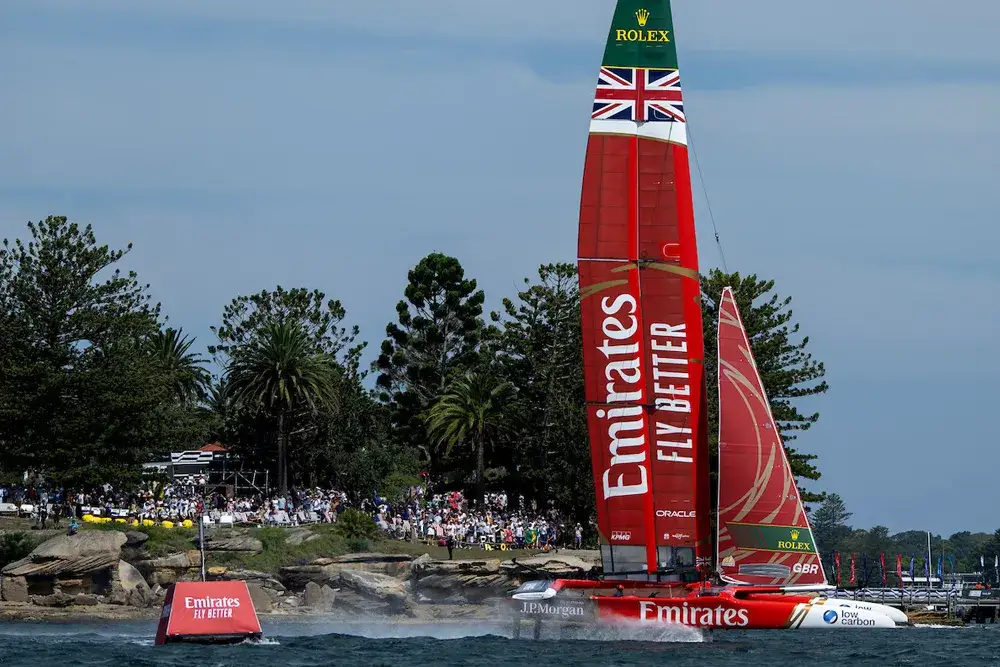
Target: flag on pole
x=836 y=566
x=940 y=569
x=912 y=561
x=881 y=559
x=854 y=577
x=899 y=568
x=982 y=563
x=951 y=563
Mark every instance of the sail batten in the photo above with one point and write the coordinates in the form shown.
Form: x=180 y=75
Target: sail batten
x=764 y=536
x=641 y=314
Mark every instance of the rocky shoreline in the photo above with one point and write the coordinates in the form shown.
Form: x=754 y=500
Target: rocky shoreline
x=85 y=577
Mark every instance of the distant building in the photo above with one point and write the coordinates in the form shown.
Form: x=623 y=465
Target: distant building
x=920 y=582
x=192 y=463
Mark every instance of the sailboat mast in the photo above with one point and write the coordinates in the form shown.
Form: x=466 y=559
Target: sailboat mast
x=928 y=561
x=643 y=344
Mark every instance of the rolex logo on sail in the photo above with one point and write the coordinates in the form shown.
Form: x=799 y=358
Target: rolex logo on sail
x=671 y=392
x=794 y=544
x=642 y=35
x=626 y=425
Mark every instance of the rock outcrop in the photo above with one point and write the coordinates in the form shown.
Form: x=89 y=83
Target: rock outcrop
x=89 y=570
x=62 y=567
x=135 y=538
x=82 y=553
x=237 y=543
x=373 y=593
x=325 y=571
x=558 y=565
x=14 y=589
x=129 y=587
x=458 y=582
x=393 y=565
x=184 y=566
x=319 y=598
x=480 y=581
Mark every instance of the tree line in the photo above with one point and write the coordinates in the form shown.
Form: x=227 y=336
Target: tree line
x=93 y=381
x=962 y=552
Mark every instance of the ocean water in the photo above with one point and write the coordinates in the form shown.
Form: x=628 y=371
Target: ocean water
x=380 y=644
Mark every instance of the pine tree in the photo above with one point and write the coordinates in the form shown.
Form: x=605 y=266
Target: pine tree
x=435 y=340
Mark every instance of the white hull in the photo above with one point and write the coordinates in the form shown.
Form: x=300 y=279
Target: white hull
x=896 y=615
x=824 y=616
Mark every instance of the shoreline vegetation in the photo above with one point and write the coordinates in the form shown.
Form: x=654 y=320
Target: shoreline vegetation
x=309 y=572
x=457 y=397
x=94 y=384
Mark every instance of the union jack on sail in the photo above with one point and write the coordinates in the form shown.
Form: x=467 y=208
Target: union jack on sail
x=640 y=95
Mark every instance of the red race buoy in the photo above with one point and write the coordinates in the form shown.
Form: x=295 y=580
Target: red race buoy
x=209 y=612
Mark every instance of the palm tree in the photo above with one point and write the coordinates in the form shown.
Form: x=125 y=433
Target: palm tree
x=171 y=349
x=279 y=372
x=471 y=412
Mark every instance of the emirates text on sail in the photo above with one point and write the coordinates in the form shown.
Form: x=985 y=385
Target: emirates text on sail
x=628 y=426
x=624 y=375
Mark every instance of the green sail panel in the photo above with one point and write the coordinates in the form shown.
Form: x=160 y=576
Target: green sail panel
x=642 y=35
x=765 y=537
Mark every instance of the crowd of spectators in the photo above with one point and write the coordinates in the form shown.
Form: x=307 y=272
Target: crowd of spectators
x=434 y=518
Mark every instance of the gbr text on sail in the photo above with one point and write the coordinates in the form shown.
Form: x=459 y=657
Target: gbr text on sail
x=627 y=426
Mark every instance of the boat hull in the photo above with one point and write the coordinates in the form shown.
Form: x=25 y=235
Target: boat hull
x=725 y=613
x=722 y=609
x=896 y=615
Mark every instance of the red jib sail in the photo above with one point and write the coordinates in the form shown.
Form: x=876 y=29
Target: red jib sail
x=763 y=533
x=641 y=313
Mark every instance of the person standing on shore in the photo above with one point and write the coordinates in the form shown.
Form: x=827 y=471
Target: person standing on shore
x=450 y=543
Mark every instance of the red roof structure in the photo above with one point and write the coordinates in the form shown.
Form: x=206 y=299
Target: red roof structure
x=213 y=447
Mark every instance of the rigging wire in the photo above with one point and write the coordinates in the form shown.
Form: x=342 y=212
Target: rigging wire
x=711 y=215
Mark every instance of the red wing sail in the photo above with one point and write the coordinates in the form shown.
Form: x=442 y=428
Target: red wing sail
x=641 y=313
x=764 y=535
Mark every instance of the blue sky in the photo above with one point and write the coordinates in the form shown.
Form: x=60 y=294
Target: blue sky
x=848 y=150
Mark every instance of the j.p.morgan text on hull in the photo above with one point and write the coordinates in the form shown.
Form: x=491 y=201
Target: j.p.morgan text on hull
x=546 y=609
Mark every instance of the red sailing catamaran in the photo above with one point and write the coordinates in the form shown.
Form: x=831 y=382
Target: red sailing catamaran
x=645 y=389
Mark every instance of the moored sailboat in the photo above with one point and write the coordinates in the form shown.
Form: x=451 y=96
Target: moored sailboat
x=645 y=387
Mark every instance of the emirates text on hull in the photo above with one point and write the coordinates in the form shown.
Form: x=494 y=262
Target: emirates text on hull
x=682 y=614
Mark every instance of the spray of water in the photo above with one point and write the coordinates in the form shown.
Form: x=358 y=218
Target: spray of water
x=629 y=631
x=380 y=628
